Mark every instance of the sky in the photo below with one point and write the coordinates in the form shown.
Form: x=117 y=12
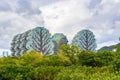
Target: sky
x=102 y=17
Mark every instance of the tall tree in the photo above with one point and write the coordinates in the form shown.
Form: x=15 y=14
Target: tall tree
x=40 y=40
x=17 y=45
x=13 y=45
x=58 y=40
x=24 y=39
x=85 y=39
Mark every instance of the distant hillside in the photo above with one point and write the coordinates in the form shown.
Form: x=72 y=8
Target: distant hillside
x=110 y=48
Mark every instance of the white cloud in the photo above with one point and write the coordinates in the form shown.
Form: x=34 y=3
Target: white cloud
x=71 y=16
x=66 y=16
x=13 y=22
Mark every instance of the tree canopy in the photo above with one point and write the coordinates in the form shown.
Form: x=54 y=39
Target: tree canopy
x=40 y=40
x=85 y=39
x=58 y=40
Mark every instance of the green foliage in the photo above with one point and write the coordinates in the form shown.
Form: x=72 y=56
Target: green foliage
x=46 y=72
x=32 y=58
x=71 y=51
x=86 y=73
x=116 y=59
x=56 y=60
x=70 y=63
x=104 y=57
x=11 y=72
x=88 y=58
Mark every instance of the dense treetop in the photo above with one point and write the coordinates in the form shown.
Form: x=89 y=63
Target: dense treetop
x=85 y=39
x=40 y=39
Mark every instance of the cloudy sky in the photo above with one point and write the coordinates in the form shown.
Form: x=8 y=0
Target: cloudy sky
x=102 y=17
